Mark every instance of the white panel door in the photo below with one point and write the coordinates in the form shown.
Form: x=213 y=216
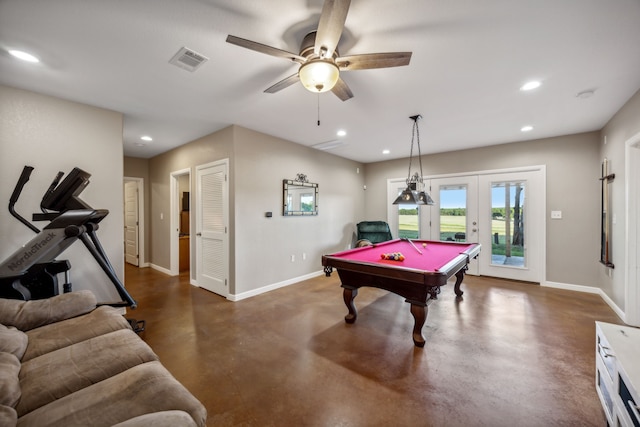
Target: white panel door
x=212 y=242
x=131 y=222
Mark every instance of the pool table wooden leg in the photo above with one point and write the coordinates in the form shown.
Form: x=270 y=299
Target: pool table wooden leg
x=459 y=277
x=419 y=313
x=349 y=295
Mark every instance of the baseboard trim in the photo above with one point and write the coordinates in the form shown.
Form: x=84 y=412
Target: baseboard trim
x=264 y=289
x=161 y=269
x=590 y=290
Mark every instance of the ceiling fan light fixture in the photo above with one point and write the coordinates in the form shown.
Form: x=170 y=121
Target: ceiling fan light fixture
x=319 y=75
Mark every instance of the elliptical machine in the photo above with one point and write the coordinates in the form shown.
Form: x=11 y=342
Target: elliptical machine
x=31 y=272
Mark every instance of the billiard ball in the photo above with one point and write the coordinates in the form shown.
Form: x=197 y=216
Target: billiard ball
x=424 y=245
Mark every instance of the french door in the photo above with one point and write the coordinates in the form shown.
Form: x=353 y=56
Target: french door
x=512 y=207
x=454 y=216
x=503 y=211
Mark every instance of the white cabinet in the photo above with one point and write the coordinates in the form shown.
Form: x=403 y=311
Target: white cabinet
x=618 y=373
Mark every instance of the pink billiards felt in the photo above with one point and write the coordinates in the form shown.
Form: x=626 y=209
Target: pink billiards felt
x=433 y=257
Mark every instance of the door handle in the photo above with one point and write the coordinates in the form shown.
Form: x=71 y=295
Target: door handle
x=198 y=234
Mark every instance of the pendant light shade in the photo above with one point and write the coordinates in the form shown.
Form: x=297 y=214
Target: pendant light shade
x=414 y=194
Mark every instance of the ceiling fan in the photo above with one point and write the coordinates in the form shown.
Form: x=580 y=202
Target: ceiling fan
x=320 y=62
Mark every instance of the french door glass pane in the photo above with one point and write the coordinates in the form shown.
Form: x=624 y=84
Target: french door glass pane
x=507 y=223
x=453 y=213
x=408 y=222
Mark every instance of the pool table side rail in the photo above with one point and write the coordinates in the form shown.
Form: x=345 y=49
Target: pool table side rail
x=385 y=270
x=469 y=254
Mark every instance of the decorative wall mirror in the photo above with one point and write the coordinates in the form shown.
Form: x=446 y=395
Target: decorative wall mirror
x=300 y=196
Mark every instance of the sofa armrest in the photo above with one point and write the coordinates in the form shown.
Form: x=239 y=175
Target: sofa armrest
x=160 y=419
x=26 y=315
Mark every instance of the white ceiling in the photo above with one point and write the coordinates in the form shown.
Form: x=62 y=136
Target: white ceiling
x=469 y=59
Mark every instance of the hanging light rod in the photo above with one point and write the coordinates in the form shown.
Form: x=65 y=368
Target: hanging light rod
x=414 y=194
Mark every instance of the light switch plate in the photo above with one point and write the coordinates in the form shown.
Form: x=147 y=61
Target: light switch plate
x=556 y=214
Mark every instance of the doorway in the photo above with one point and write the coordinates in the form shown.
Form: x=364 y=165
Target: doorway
x=503 y=210
x=512 y=214
x=134 y=221
x=454 y=218
x=180 y=238
x=632 y=273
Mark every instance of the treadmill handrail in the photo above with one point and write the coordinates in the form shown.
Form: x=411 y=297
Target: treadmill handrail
x=24 y=177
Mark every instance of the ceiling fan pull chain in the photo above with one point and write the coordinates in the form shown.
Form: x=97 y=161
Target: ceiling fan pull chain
x=318 y=109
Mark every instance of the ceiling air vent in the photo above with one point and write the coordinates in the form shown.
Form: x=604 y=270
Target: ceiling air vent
x=188 y=60
x=329 y=145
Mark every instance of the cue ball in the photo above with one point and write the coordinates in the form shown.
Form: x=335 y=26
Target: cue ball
x=424 y=245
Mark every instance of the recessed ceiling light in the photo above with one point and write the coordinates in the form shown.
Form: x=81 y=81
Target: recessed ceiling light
x=341 y=132
x=534 y=84
x=24 y=56
x=146 y=138
x=526 y=128
x=385 y=151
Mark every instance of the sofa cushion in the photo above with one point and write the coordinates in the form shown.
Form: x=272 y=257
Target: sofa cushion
x=56 y=374
x=13 y=341
x=9 y=383
x=61 y=334
x=160 y=419
x=143 y=389
x=26 y=315
x=8 y=416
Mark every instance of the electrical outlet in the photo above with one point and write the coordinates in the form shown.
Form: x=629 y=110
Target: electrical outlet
x=556 y=214
x=293 y=258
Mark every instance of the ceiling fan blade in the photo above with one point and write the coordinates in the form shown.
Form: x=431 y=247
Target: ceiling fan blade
x=284 y=83
x=373 y=60
x=263 y=48
x=341 y=90
x=334 y=14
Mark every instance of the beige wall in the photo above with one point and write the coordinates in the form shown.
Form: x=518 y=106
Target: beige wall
x=260 y=247
x=139 y=168
x=210 y=148
x=624 y=124
x=54 y=135
x=572 y=186
x=264 y=245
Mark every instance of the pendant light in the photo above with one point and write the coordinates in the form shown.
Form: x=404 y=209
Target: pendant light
x=414 y=194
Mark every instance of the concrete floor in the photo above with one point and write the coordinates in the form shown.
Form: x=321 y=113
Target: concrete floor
x=507 y=354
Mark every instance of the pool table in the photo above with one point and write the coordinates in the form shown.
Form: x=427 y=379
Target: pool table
x=427 y=265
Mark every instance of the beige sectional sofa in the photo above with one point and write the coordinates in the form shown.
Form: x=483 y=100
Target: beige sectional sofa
x=64 y=362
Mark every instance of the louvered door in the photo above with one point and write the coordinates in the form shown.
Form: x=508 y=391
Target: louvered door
x=212 y=248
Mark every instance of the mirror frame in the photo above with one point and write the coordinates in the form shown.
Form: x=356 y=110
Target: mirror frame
x=286 y=184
